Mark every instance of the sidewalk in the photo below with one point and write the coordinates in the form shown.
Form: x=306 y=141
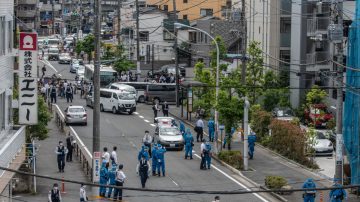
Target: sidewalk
x=47 y=165
x=267 y=163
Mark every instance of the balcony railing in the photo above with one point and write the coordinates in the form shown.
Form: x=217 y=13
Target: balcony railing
x=317 y=25
x=320 y=58
x=27 y=2
x=26 y=14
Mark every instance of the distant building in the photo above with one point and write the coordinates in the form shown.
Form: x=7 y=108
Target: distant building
x=26 y=13
x=12 y=139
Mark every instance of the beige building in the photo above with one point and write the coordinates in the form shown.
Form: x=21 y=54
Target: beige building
x=194 y=9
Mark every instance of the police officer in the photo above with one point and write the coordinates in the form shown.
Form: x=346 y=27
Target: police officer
x=54 y=194
x=112 y=176
x=155 y=109
x=53 y=93
x=104 y=177
x=61 y=151
x=154 y=159
x=338 y=194
x=251 y=144
x=160 y=155
x=143 y=169
x=211 y=126
x=182 y=127
x=309 y=195
x=143 y=152
x=189 y=142
x=207 y=155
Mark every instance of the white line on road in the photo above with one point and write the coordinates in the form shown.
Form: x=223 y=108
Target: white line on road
x=174 y=182
x=60 y=75
x=141 y=116
x=234 y=180
x=153 y=125
x=136 y=113
x=132 y=144
x=147 y=121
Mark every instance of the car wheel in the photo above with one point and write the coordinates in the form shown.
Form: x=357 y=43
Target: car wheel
x=141 y=99
x=114 y=111
x=130 y=112
x=101 y=108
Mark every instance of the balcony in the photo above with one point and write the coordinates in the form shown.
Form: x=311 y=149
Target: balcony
x=48 y=7
x=26 y=14
x=317 y=26
x=26 y=26
x=285 y=39
x=318 y=58
x=27 y=2
x=12 y=153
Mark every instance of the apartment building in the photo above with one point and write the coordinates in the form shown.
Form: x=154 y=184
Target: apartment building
x=26 y=13
x=311 y=48
x=194 y=9
x=12 y=139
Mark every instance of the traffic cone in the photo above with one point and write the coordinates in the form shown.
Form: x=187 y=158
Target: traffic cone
x=63 y=186
x=321 y=196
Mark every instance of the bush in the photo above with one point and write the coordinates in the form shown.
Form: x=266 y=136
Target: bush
x=260 y=120
x=233 y=158
x=275 y=182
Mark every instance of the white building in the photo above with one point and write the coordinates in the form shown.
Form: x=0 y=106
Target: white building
x=11 y=139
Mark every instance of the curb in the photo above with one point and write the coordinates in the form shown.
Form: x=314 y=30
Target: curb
x=234 y=170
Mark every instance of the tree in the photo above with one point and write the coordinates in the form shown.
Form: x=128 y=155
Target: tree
x=274 y=95
x=315 y=95
x=40 y=130
x=254 y=72
x=87 y=45
x=121 y=63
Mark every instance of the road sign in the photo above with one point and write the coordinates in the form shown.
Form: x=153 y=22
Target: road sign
x=96 y=166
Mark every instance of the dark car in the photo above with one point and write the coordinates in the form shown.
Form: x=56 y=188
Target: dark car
x=167 y=70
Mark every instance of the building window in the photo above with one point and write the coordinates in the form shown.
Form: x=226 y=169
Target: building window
x=206 y=12
x=168 y=36
x=2 y=35
x=185 y=1
x=166 y=7
x=144 y=35
x=10 y=36
x=284 y=56
x=2 y=111
x=192 y=37
x=285 y=25
x=185 y=17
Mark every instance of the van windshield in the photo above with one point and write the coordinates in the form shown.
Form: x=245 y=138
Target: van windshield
x=125 y=96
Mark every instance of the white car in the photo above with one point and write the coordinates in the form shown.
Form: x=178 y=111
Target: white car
x=80 y=71
x=123 y=87
x=64 y=58
x=323 y=145
x=75 y=114
x=169 y=137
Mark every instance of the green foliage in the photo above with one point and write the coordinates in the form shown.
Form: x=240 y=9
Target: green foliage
x=230 y=109
x=274 y=96
x=121 y=62
x=290 y=141
x=315 y=95
x=275 y=182
x=311 y=142
x=331 y=124
x=254 y=72
x=40 y=130
x=87 y=45
x=79 y=47
x=260 y=120
x=233 y=158
x=108 y=52
x=222 y=49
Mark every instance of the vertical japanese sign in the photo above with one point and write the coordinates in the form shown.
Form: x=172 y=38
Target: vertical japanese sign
x=28 y=108
x=96 y=166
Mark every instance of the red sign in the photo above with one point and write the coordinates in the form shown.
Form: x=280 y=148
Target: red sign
x=97 y=154
x=28 y=41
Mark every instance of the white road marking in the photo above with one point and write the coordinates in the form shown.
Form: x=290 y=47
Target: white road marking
x=132 y=144
x=136 y=113
x=234 y=180
x=147 y=121
x=174 y=182
x=193 y=151
x=60 y=75
x=153 y=125
x=141 y=117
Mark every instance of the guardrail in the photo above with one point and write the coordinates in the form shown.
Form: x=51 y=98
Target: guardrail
x=81 y=151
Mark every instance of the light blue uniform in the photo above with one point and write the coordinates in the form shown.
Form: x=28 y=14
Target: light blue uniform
x=211 y=126
x=112 y=181
x=337 y=195
x=251 y=143
x=189 y=140
x=208 y=154
x=309 y=196
x=160 y=155
x=182 y=127
x=143 y=152
x=154 y=159
x=104 y=177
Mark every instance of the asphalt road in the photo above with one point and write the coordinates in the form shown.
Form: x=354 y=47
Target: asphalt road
x=126 y=132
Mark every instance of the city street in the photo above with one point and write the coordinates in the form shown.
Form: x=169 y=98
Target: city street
x=126 y=132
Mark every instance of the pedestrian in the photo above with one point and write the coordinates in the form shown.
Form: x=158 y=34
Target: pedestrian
x=207 y=154
x=165 y=109
x=112 y=179
x=155 y=108
x=143 y=169
x=216 y=199
x=104 y=177
x=189 y=143
x=74 y=88
x=53 y=93
x=43 y=69
x=148 y=140
x=143 y=152
x=228 y=138
x=120 y=179
x=251 y=144
x=154 y=159
x=113 y=156
x=54 y=194
x=83 y=196
x=338 y=194
x=61 y=151
x=199 y=129
x=106 y=155
x=182 y=127
x=69 y=93
x=309 y=195
x=211 y=126
x=202 y=154
x=160 y=155
x=70 y=147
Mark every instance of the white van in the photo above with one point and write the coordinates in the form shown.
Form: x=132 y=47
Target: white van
x=140 y=88
x=124 y=88
x=116 y=101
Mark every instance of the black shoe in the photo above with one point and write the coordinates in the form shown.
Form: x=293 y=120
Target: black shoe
x=154 y=174
x=159 y=175
x=191 y=158
x=163 y=175
x=185 y=157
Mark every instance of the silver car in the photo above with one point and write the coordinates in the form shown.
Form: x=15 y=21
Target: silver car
x=169 y=137
x=75 y=114
x=90 y=101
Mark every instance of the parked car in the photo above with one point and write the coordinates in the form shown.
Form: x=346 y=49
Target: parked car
x=74 y=67
x=167 y=70
x=89 y=100
x=323 y=145
x=140 y=88
x=75 y=114
x=317 y=115
x=53 y=53
x=163 y=121
x=285 y=114
x=123 y=87
x=64 y=58
x=160 y=92
x=169 y=137
x=330 y=135
x=117 y=101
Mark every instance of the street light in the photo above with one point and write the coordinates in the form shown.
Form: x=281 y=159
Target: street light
x=179 y=25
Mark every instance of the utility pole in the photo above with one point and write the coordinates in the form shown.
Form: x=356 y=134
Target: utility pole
x=138 y=71
x=96 y=80
x=53 y=16
x=339 y=103
x=176 y=56
x=244 y=43
x=119 y=21
x=152 y=57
